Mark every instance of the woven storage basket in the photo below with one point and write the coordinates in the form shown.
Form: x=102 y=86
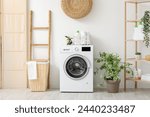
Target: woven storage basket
x=41 y=83
x=76 y=8
x=147 y=57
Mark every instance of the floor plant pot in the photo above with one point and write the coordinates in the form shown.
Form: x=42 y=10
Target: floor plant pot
x=113 y=86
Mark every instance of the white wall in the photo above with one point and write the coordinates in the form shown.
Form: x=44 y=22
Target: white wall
x=105 y=23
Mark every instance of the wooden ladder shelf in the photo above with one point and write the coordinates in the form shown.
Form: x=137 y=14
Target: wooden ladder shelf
x=32 y=28
x=135 y=42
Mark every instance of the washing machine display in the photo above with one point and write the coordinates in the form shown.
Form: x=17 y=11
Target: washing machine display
x=76 y=67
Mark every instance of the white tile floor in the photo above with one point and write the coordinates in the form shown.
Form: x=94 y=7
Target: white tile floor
x=26 y=94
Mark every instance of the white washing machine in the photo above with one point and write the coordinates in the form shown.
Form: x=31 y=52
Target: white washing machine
x=76 y=68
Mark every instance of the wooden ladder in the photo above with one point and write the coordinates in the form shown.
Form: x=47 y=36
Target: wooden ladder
x=32 y=28
x=39 y=45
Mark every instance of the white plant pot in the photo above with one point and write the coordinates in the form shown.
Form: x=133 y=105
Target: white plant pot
x=138 y=33
x=138 y=57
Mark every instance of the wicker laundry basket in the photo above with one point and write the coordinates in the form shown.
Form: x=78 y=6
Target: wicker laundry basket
x=41 y=83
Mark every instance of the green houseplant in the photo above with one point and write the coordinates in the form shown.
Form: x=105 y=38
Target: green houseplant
x=112 y=66
x=146 y=30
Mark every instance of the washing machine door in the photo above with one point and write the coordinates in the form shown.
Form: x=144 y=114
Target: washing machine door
x=76 y=67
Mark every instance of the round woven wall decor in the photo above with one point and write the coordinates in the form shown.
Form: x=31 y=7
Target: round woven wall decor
x=76 y=8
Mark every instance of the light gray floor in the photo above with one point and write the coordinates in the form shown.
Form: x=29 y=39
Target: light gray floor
x=26 y=94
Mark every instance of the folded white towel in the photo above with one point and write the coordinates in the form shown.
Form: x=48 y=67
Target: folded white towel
x=32 y=70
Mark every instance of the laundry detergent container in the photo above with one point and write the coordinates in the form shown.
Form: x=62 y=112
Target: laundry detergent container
x=41 y=83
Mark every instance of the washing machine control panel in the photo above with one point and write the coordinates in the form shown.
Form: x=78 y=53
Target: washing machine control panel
x=76 y=49
x=82 y=49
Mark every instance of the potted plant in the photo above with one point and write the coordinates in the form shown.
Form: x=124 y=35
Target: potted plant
x=112 y=66
x=69 y=40
x=146 y=29
x=138 y=55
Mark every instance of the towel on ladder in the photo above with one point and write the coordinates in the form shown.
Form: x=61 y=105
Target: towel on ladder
x=32 y=70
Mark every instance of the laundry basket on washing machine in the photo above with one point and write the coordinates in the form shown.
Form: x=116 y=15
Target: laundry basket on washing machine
x=41 y=83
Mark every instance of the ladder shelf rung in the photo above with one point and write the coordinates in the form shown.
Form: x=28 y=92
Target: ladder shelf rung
x=138 y=1
x=133 y=79
x=40 y=60
x=40 y=28
x=132 y=21
x=131 y=40
x=40 y=44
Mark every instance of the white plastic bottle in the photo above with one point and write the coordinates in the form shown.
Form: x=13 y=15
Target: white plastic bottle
x=83 y=38
x=88 y=42
x=77 y=38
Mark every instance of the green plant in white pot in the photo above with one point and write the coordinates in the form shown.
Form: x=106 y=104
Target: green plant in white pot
x=138 y=55
x=69 y=40
x=112 y=66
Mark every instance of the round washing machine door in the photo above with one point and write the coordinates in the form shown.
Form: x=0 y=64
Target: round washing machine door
x=76 y=67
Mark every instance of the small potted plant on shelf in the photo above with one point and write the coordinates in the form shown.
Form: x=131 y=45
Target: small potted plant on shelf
x=112 y=66
x=138 y=56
